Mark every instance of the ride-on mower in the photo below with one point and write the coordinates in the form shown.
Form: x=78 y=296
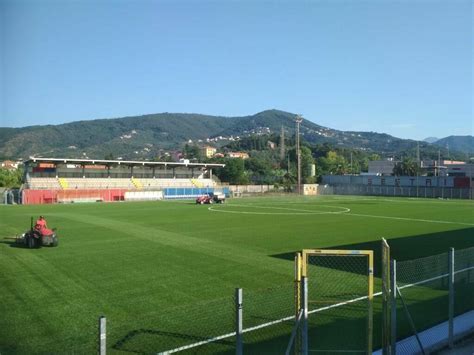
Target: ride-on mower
x=211 y=197
x=34 y=239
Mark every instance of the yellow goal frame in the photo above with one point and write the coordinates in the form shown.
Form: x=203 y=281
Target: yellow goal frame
x=301 y=271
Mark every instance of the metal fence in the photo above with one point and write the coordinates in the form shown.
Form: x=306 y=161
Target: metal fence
x=9 y=196
x=253 y=189
x=430 y=299
x=424 y=192
x=252 y=322
x=339 y=300
x=430 y=302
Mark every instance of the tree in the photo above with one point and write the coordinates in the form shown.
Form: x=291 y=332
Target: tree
x=192 y=152
x=407 y=167
x=374 y=157
x=260 y=170
x=332 y=163
x=11 y=178
x=288 y=182
x=233 y=172
x=306 y=161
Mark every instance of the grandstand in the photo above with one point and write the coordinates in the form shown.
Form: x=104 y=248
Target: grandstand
x=52 y=180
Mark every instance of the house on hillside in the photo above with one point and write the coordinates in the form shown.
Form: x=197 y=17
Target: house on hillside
x=208 y=151
x=241 y=155
x=9 y=165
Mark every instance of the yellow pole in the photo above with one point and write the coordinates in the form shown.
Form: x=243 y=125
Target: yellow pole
x=370 y=300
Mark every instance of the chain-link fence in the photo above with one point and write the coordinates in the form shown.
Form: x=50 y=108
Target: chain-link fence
x=266 y=321
x=206 y=325
x=338 y=303
x=433 y=298
x=433 y=301
x=424 y=192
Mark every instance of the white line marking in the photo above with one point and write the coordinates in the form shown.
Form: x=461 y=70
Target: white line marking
x=401 y=200
x=220 y=337
x=344 y=210
x=295 y=211
x=228 y=335
x=409 y=219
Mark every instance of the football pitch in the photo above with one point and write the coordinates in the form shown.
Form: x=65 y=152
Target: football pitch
x=168 y=270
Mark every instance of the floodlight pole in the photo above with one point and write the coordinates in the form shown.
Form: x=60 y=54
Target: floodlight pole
x=298 y=121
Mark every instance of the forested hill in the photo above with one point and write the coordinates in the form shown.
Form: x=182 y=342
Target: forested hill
x=457 y=143
x=142 y=137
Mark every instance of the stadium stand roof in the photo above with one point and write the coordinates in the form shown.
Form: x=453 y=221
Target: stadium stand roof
x=120 y=162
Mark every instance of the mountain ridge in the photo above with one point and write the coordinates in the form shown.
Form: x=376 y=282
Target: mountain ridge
x=430 y=139
x=457 y=143
x=145 y=136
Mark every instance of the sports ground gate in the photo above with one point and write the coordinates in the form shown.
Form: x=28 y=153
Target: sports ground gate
x=51 y=180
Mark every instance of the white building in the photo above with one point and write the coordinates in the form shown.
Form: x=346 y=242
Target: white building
x=382 y=167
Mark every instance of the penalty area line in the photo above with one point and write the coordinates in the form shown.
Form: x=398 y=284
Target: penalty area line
x=407 y=219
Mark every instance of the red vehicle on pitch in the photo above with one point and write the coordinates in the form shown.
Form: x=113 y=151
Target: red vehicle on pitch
x=211 y=197
x=204 y=199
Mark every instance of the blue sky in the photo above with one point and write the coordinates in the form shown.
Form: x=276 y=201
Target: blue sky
x=400 y=67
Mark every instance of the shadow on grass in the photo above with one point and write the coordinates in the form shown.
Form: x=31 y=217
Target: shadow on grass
x=259 y=342
x=13 y=244
x=342 y=327
x=128 y=342
x=407 y=248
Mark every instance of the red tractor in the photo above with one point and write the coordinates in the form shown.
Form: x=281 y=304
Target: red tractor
x=35 y=239
x=204 y=199
x=211 y=197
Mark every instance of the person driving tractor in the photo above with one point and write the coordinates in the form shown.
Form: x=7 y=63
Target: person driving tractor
x=41 y=226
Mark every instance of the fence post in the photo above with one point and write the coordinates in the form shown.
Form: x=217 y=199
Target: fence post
x=238 y=321
x=451 y=298
x=102 y=335
x=385 y=298
x=304 y=289
x=393 y=307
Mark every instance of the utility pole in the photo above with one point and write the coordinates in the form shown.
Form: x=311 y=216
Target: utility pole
x=352 y=172
x=418 y=153
x=418 y=166
x=298 y=121
x=282 y=144
x=439 y=162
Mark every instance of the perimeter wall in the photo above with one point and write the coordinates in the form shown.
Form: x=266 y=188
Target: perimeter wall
x=406 y=186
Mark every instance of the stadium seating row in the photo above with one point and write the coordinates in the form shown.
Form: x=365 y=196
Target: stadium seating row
x=37 y=183
x=164 y=183
x=44 y=183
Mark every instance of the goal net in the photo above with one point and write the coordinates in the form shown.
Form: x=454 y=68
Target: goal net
x=335 y=296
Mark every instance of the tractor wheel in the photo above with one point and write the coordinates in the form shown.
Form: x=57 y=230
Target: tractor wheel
x=31 y=242
x=201 y=202
x=55 y=241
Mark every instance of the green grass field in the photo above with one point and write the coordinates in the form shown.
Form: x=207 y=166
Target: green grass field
x=164 y=273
